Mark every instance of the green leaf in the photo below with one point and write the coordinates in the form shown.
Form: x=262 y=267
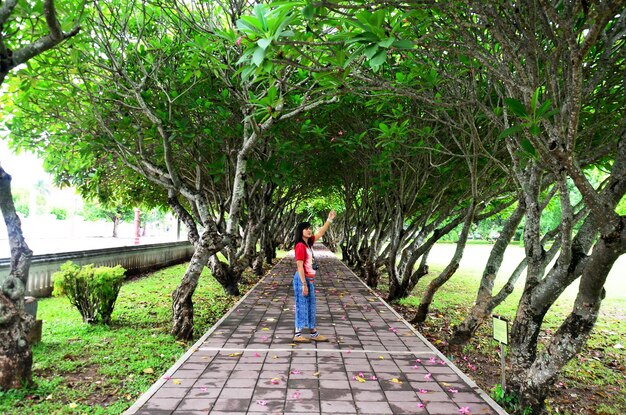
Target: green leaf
x=516 y=107
x=528 y=147
x=403 y=44
x=258 y=56
x=387 y=42
x=534 y=100
x=379 y=58
x=308 y=12
x=534 y=129
x=264 y=43
x=370 y=51
x=511 y=130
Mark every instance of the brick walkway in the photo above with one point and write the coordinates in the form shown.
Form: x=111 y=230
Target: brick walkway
x=375 y=363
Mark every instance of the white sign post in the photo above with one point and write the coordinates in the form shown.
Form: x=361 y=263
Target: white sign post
x=501 y=334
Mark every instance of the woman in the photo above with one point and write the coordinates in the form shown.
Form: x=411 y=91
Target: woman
x=303 y=281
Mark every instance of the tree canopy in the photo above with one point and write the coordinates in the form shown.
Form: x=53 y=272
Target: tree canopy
x=413 y=119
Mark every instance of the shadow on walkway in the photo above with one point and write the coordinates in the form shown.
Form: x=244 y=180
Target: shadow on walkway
x=375 y=362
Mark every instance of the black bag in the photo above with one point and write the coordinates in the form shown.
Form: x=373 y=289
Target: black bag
x=314 y=265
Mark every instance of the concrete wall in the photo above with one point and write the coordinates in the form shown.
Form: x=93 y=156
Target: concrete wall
x=135 y=259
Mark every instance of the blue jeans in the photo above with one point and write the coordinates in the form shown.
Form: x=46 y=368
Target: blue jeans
x=305 y=306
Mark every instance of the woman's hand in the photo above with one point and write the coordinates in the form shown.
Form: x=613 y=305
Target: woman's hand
x=305 y=290
x=331 y=215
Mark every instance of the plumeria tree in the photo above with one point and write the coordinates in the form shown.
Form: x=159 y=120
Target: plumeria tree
x=28 y=30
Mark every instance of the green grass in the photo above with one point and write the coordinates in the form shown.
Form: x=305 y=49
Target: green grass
x=83 y=369
x=597 y=374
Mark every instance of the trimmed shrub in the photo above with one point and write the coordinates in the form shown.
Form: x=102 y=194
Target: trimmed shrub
x=92 y=290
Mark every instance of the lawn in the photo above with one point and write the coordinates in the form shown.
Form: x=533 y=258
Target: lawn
x=83 y=369
x=592 y=383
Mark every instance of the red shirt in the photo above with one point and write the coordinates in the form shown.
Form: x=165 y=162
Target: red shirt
x=302 y=254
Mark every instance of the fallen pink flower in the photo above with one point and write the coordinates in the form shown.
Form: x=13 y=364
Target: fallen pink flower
x=416 y=367
x=433 y=360
x=296 y=395
x=453 y=390
x=257 y=354
x=295 y=372
x=441 y=362
x=238 y=41
x=373 y=377
x=262 y=403
x=428 y=376
x=167 y=377
x=464 y=410
x=418 y=360
x=423 y=391
x=420 y=405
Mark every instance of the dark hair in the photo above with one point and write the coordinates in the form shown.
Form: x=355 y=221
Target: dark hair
x=298 y=234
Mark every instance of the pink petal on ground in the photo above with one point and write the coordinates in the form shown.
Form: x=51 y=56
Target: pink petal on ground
x=295 y=372
x=428 y=376
x=167 y=377
x=441 y=362
x=257 y=354
x=433 y=360
x=423 y=391
x=296 y=395
x=275 y=381
x=373 y=377
x=464 y=410
x=453 y=390
x=262 y=403
x=418 y=360
x=420 y=405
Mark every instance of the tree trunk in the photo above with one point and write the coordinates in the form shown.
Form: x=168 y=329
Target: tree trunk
x=116 y=222
x=182 y=304
x=15 y=324
x=228 y=276
x=372 y=274
x=257 y=266
x=448 y=272
x=484 y=304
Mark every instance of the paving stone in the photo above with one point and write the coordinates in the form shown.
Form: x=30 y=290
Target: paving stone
x=241 y=383
x=236 y=393
x=146 y=411
x=334 y=384
x=162 y=403
x=235 y=405
x=171 y=393
x=260 y=371
x=373 y=407
x=335 y=395
x=337 y=407
x=195 y=405
x=302 y=406
x=442 y=408
x=410 y=408
x=369 y=396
